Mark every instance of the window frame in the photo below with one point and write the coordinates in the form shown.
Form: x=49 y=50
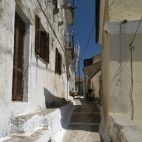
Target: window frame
x=41 y=41
x=18 y=65
x=55 y=4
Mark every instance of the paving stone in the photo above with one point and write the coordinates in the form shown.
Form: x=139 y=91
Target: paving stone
x=85 y=118
x=86 y=109
x=87 y=127
x=84 y=124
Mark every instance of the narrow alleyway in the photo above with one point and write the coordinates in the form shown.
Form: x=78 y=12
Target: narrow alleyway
x=84 y=124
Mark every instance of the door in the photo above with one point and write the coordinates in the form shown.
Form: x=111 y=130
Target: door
x=17 y=89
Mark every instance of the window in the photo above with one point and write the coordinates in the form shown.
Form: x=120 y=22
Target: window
x=55 y=4
x=55 y=7
x=41 y=41
x=58 y=62
x=17 y=86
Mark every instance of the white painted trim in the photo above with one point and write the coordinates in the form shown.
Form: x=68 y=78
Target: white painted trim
x=128 y=27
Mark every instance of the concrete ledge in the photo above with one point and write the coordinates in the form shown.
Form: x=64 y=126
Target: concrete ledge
x=122 y=129
x=45 y=124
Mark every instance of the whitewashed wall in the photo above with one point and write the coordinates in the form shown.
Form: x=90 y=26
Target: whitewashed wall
x=95 y=84
x=43 y=86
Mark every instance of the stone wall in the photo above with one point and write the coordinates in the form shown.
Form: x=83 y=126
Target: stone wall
x=122 y=129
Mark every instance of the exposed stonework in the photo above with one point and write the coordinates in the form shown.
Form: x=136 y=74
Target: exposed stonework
x=122 y=129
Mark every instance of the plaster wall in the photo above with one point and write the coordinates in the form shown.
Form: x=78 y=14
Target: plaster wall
x=85 y=85
x=120 y=37
x=104 y=40
x=124 y=9
x=96 y=58
x=44 y=87
x=95 y=84
x=105 y=81
x=120 y=75
x=101 y=22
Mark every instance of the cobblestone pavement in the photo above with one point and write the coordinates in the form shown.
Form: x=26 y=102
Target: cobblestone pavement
x=84 y=124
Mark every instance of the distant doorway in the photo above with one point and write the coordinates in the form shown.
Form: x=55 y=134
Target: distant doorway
x=17 y=86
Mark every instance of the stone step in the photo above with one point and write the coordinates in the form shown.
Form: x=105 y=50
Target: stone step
x=51 y=118
x=39 y=135
x=85 y=118
x=86 y=109
x=82 y=133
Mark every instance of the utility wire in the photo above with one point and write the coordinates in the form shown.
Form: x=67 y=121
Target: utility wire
x=88 y=40
x=112 y=3
x=117 y=73
x=132 y=48
x=135 y=33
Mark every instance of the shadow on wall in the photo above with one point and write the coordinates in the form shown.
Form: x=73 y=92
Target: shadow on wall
x=121 y=52
x=52 y=100
x=61 y=108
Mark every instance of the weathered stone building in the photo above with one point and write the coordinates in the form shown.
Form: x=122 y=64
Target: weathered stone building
x=33 y=69
x=92 y=73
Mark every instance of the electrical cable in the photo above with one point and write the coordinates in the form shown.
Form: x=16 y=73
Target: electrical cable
x=88 y=40
x=132 y=48
x=117 y=73
x=135 y=34
x=112 y=3
x=131 y=89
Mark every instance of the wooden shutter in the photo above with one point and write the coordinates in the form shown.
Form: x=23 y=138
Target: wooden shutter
x=47 y=45
x=37 y=34
x=56 y=61
x=43 y=45
x=60 y=64
x=55 y=4
x=17 y=88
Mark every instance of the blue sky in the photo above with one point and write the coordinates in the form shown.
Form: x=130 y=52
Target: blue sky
x=83 y=21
